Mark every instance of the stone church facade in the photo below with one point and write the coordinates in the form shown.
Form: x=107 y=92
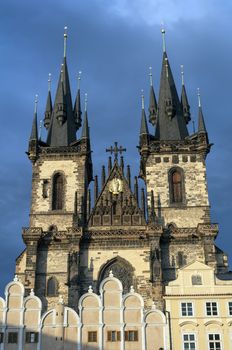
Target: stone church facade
x=140 y=236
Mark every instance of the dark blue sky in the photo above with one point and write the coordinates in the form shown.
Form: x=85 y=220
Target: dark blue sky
x=113 y=43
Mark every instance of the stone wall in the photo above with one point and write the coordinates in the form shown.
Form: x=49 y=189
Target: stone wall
x=195 y=208
x=73 y=170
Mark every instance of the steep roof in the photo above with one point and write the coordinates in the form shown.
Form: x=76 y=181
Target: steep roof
x=170 y=122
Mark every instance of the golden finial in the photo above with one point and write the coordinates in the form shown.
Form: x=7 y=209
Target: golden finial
x=150 y=75
x=65 y=40
x=79 y=80
x=36 y=103
x=163 y=36
x=49 y=81
x=142 y=96
x=166 y=66
x=86 y=100
x=182 y=74
x=199 y=97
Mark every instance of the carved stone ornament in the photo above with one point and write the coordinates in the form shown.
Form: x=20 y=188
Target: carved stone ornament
x=116 y=186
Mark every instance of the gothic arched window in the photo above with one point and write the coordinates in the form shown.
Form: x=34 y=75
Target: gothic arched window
x=176 y=186
x=58 y=192
x=52 y=287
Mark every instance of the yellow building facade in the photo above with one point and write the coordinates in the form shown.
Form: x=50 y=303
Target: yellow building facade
x=199 y=307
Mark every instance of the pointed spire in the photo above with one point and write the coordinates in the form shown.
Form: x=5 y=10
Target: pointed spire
x=144 y=127
x=103 y=175
x=128 y=175
x=153 y=102
x=136 y=190
x=122 y=164
x=171 y=124
x=95 y=188
x=109 y=165
x=34 y=129
x=201 y=121
x=77 y=106
x=62 y=130
x=143 y=206
x=48 y=110
x=85 y=129
x=184 y=99
x=144 y=133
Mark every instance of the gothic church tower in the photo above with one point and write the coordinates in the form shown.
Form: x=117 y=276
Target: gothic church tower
x=61 y=173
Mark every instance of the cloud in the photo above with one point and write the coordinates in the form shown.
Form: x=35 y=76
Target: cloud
x=153 y=12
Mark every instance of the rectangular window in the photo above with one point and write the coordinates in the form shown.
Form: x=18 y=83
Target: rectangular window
x=230 y=307
x=187 y=309
x=1 y=337
x=12 y=337
x=113 y=336
x=131 y=335
x=92 y=337
x=189 y=341
x=214 y=342
x=211 y=308
x=32 y=337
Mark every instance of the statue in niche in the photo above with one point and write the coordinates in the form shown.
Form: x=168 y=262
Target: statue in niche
x=73 y=267
x=155 y=265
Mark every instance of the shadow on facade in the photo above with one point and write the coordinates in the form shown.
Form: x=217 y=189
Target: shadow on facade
x=109 y=321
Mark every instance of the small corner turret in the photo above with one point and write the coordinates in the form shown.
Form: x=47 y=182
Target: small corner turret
x=33 y=141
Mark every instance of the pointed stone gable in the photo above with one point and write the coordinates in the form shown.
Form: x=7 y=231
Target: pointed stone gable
x=116 y=204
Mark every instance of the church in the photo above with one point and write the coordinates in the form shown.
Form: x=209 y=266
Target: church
x=109 y=268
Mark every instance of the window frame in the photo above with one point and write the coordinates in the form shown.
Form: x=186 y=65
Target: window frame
x=228 y=304
x=117 y=336
x=28 y=338
x=55 y=175
x=92 y=336
x=211 y=315
x=189 y=333
x=214 y=333
x=187 y=302
x=128 y=333
x=55 y=295
x=171 y=171
x=12 y=341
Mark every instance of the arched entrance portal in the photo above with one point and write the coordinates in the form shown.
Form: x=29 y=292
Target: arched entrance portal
x=121 y=269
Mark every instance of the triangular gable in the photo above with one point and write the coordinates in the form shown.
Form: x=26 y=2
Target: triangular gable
x=196 y=265
x=116 y=204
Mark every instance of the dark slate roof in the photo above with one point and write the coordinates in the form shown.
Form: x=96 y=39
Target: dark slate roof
x=152 y=106
x=169 y=127
x=62 y=134
x=85 y=128
x=201 y=121
x=48 y=111
x=77 y=110
x=143 y=127
x=34 y=129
